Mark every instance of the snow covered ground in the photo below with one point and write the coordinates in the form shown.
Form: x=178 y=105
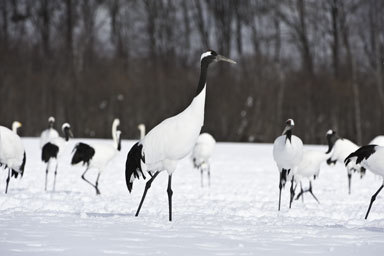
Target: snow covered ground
x=236 y=216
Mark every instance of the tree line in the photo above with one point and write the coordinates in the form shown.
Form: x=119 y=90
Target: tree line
x=88 y=61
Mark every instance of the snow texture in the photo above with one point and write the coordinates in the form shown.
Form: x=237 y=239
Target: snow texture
x=237 y=215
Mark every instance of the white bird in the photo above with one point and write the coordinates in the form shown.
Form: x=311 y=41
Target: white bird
x=201 y=154
x=287 y=153
x=172 y=139
x=52 y=151
x=370 y=157
x=341 y=149
x=309 y=167
x=378 y=140
x=97 y=155
x=48 y=133
x=12 y=154
x=141 y=128
x=15 y=126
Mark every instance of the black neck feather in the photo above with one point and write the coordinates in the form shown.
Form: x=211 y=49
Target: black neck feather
x=289 y=135
x=203 y=77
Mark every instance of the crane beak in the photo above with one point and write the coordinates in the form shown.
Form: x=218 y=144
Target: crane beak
x=222 y=58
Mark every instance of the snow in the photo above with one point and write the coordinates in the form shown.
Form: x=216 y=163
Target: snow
x=236 y=216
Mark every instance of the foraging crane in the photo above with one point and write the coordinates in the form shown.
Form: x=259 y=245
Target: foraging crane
x=97 y=155
x=202 y=153
x=370 y=157
x=12 y=154
x=52 y=151
x=341 y=149
x=141 y=128
x=48 y=133
x=309 y=166
x=172 y=139
x=287 y=153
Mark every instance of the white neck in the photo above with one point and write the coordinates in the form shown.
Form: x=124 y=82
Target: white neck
x=142 y=132
x=114 y=133
x=198 y=105
x=14 y=127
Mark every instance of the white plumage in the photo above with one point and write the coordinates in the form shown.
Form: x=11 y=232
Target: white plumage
x=172 y=139
x=98 y=155
x=52 y=151
x=15 y=126
x=370 y=157
x=341 y=149
x=202 y=152
x=12 y=153
x=49 y=133
x=141 y=128
x=378 y=140
x=287 y=153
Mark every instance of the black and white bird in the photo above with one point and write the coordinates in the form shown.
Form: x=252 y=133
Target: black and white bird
x=172 y=139
x=341 y=149
x=287 y=153
x=141 y=128
x=370 y=157
x=309 y=167
x=53 y=150
x=48 y=133
x=378 y=140
x=97 y=155
x=202 y=153
x=15 y=126
x=12 y=154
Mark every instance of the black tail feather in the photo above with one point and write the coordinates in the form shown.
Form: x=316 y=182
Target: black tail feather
x=362 y=153
x=133 y=165
x=83 y=153
x=49 y=151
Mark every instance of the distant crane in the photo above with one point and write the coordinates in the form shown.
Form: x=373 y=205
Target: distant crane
x=141 y=128
x=370 y=157
x=341 y=149
x=172 y=139
x=12 y=153
x=15 y=126
x=48 y=133
x=53 y=149
x=201 y=154
x=287 y=153
x=97 y=155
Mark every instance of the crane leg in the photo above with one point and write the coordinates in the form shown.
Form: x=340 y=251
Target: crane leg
x=170 y=193
x=209 y=175
x=280 y=187
x=7 y=181
x=46 y=177
x=90 y=183
x=147 y=186
x=301 y=193
x=292 y=190
x=54 y=179
x=373 y=198
x=97 y=184
x=310 y=191
x=349 y=182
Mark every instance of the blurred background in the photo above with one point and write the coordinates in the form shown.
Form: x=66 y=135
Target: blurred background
x=89 y=61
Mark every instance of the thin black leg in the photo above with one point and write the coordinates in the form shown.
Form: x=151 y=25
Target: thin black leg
x=54 y=179
x=97 y=184
x=302 y=192
x=209 y=175
x=46 y=177
x=349 y=182
x=170 y=193
x=90 y=183
x=373 y=198
x=147 y=186
x=7 y=181
x=310 y=191
x=280 y=187
x=292 y=190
